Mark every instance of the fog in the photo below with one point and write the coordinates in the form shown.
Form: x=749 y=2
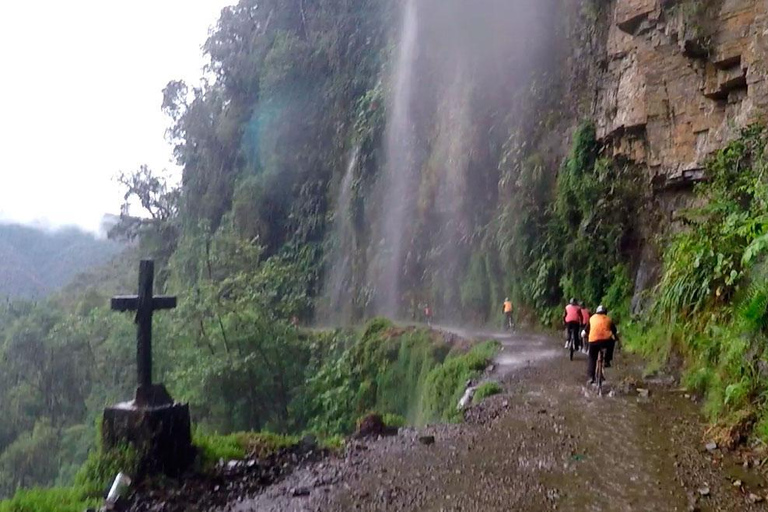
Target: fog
x=458 y=68
x=81 y=95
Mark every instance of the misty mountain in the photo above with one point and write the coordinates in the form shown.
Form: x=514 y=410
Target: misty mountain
x=34 y=262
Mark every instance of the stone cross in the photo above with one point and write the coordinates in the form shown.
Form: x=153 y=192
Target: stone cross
x=144 y=304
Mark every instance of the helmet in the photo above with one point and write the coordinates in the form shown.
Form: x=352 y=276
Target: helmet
x=572 y=302
x=581 y=303
x=506 y=299
x=601 y=310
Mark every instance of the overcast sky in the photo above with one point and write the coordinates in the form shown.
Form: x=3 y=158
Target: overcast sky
x=80 y=96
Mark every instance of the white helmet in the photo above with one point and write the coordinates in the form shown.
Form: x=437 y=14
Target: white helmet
x=601 y=310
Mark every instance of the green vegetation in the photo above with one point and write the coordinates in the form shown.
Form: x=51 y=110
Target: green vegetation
x=710 y=303
x=91 y=483
x=330 y=380
x=487 y=389
x=49 y=500
x=407 y=372
x=577 y=242
x=237 y=446
x=35 y=262
x=446 y=384
x=243 y=243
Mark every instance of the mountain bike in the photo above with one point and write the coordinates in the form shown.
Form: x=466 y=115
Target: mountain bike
x=509 y=324
x=572 y=342
x=599 y=374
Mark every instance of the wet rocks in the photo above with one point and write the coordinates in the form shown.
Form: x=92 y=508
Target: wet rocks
x=373 y=426
x=711 y=446
x=427 y=440
x=229 y=482
x=299 y=492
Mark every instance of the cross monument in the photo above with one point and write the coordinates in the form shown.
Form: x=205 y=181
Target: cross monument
x=156 y=426
x=144 y=304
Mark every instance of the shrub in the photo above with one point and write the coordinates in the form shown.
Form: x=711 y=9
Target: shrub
x=446 y=383
x=101 y=467
x=395 y=420
x=49 y=500
x=710 y=303
x=487 y=389
x=238 y=446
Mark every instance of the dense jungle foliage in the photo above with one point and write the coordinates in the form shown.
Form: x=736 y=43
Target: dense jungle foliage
x=246 y=244
x=710 y=305
x=34 y=263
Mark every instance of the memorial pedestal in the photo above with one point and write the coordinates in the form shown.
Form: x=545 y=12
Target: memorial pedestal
x=159 y=430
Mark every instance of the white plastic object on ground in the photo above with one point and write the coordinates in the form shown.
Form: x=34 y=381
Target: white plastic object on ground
x=466 y=399
x=119 y=486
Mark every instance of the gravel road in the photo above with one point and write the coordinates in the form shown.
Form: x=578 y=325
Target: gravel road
x=547 y=443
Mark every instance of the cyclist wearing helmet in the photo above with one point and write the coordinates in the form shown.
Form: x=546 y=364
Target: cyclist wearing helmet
x=572 y=321
x=602 y=334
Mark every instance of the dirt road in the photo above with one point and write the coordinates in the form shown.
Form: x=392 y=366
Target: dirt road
x=548 y=443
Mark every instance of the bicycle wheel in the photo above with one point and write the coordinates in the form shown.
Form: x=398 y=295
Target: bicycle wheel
x=572 y=344
x=599 y=373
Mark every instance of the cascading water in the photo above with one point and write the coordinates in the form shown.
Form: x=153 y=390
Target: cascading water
x=400 y=176
x=337 y=285
x=458 y=82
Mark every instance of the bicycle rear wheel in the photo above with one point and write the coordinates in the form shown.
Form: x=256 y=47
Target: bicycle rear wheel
x=599 y=372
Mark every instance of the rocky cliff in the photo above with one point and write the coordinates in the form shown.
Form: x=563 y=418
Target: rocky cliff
x=669 y=83
x=680 y=79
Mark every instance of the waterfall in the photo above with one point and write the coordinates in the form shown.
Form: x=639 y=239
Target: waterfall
x=400 y=178
x=338 y=296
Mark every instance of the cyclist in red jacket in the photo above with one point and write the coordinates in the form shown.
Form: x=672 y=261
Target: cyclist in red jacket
x=572 y=321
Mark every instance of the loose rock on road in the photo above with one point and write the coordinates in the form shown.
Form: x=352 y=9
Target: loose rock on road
x=548 y=443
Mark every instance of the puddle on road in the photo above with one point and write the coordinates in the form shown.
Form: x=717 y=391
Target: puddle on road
x=511 y=360
x=519 y=349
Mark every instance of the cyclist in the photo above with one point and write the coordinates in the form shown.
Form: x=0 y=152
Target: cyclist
x=572 y=321
x=602 y=334
x=428 y=314
x=585 y=314
x=507 y=313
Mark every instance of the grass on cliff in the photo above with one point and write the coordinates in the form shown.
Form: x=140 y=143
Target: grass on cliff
x=410 y=372
x=91 y=484
x=487 y=389
x=49 y=500
x=710 y=303
x=446 y=383
x=213 y=448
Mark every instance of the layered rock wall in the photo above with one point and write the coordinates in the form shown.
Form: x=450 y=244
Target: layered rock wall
x=679 y=80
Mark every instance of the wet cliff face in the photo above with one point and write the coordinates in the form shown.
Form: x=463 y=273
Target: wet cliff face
x=483 y=100
x=671 y=82
x=680 y=80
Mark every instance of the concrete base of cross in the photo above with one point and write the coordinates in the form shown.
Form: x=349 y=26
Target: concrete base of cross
x=159 y=432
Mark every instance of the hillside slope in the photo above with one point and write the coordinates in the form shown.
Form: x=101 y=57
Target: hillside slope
x=34 y=263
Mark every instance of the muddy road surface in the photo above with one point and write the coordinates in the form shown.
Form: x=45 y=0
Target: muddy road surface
x=547 y=443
